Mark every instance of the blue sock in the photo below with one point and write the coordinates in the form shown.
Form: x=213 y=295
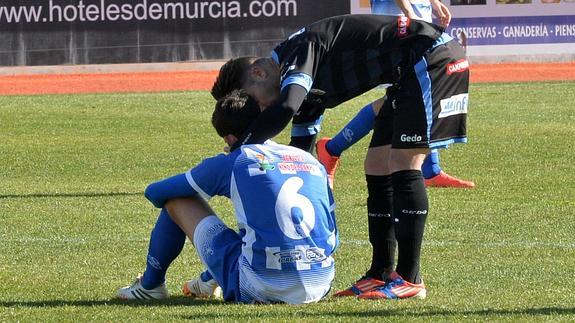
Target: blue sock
x=430 y=167
x=353 y=131
x=166 y=242
x=205 y=276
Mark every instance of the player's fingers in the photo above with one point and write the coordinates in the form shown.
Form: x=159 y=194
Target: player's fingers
x=447 y=16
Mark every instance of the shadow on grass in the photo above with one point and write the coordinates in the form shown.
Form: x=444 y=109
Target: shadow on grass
x=302 y=311
x=173 y=301
x=79 y=194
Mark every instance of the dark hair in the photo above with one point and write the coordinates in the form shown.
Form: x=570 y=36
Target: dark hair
x=232 y=74
x=234 y=113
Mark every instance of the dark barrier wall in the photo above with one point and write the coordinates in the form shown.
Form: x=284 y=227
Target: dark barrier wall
x=54 y=32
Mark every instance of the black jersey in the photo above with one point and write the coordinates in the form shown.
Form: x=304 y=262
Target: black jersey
x=336 y=59
x=341 y=57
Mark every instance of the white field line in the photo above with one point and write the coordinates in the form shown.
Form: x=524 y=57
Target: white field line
x=353 y=242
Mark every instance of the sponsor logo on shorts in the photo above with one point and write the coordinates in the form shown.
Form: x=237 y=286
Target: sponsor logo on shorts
x=402 y=25
x=459 y=66
x=407 y=138
x=454 y=105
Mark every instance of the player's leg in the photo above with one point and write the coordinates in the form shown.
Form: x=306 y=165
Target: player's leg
x=218 y=246
x=409 y=139
x=409 y=208
x=329 y=149
x=436 y=177
x=354 y=130
x=379 y=207
x=381 y=226
x=431 y=167
x=166 y=243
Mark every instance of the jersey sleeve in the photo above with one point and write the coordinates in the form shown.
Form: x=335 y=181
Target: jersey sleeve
x=212 y=176
x=299 y=67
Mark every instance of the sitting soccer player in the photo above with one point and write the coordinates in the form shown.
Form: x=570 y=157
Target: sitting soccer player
x=282 y=252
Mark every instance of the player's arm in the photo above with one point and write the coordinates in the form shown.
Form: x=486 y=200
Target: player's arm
x=211 y=177
x=297 y=78
x=442 y=12
x=276 y=117
x=407 y=9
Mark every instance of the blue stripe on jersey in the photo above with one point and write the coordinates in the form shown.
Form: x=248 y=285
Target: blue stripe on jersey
x=425 y=84
x=447 y=142
x=196 y=187
x=307 y=129
x=443 y=39
x=275 y=57
x=300 y=79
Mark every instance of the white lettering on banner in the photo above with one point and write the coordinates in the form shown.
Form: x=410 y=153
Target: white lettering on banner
x=564 y=30
x=475 y=32
x=454 y=105
x=101 y=10
x=526 y=31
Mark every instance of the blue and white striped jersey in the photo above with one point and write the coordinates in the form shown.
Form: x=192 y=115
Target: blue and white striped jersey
x=285 y=214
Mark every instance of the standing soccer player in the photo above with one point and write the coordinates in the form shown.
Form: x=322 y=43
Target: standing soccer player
x=282 y=252
x=330 y=149
x=339 y=58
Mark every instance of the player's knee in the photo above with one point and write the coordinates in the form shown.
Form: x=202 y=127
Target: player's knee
x=154 y=194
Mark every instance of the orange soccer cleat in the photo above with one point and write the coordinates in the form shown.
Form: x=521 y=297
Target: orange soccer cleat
x=446 y=180
x=364 y=284
x=328 y=161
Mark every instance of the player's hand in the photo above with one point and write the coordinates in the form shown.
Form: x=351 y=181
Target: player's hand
x=227 y=149
x=442 y=13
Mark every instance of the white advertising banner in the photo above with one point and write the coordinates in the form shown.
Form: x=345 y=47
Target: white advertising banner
x=509 y=27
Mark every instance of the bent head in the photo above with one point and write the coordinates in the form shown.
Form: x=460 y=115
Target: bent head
x=259 y=77
x=233 y=115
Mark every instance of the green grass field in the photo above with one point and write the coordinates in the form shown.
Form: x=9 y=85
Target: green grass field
x=74 y=224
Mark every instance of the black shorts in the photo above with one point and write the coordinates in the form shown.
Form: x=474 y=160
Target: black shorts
x=427 y=108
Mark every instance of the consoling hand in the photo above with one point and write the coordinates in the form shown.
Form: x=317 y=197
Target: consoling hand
x=442 y=12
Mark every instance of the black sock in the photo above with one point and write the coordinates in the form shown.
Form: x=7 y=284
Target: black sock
x=380 y=224
x=306 y=143
x=410 y=208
